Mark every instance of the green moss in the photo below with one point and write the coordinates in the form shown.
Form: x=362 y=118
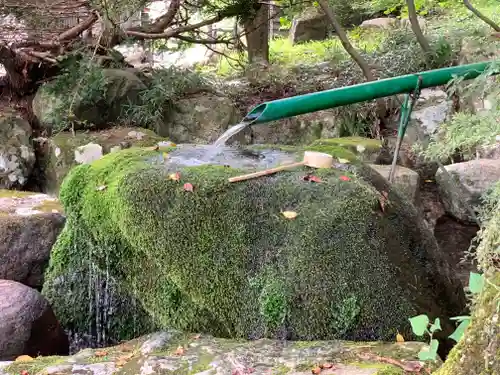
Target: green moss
x=189 y=257
x=33 y=367
x=335 y=150
x=352 y=144
x=390 y=370
x=56 y=165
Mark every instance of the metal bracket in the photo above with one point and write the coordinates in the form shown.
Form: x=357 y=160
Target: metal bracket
x=404 y=119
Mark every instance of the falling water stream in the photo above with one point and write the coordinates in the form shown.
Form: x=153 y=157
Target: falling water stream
x=232 y=131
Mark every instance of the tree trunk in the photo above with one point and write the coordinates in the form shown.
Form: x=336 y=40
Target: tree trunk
x=381 y=107
x=345 y=41
x=415 y=26
x=481 y=16
x=257 y=33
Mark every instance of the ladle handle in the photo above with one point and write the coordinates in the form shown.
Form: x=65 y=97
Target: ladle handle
x=265 y=172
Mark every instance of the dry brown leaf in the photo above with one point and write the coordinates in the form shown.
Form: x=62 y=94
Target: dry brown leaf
x=316 y=370
x=153 y=148
x=290 y=214
x=101 y=353
x=24 y=372
x=174 y=176
x=327 y=365
x=188 y=187
x=400 y=338
x=179 y=351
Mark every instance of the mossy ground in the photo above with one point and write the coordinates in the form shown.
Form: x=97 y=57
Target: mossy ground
x=223 y=259
x=57 y=156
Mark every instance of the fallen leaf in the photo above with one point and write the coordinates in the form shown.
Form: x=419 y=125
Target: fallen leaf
x=153 y=148
x=188 y=187
x=343 y=161
x=400 y=338
x=327 y=365
x=429 y=181
x=179 y=351
x=24 y=372
x=345 y=178
x=175 y=176
x=101 y=353
x=24 y=358
x=290 y=214
x=316 y=370
x=101 y=188
x=311 y=178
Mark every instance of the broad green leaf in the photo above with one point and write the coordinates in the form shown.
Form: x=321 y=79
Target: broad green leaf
x=419 y=324
x=461 y=318
x=476 y=282
x=431 y=353
x=459 y=332
x=436 y=326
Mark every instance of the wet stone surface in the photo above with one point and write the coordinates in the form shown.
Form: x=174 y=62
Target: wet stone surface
x=185 y=354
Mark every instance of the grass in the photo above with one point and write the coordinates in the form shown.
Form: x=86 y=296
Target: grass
x=456 y=23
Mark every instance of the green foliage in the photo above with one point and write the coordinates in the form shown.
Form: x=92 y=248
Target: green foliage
x=468 y=132
x=421 y=325
x=164 y=87
x=81 y=81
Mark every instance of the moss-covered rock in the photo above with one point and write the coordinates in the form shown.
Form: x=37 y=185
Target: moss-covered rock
x=120 y=88
x=57 y=155
x=200 y=118
x=365 y=148
x=224 y=259
x=172 y=352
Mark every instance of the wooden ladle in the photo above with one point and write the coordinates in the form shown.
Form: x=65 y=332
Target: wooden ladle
x=311 y=159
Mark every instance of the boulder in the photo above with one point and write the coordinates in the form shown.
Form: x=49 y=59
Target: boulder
x=57 y=155
x=172 y=352
x=279 y=256
x=28 y=325
x=17 y=157
x=380 y=23
x=406 y=180
x=200 y=118
x=121 y=88
x=310 y=25
x=405 y=23
x=29 y=226
x=475 y=177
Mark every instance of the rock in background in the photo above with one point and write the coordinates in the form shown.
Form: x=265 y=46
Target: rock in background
x=310 y=25
x=29 y=226
x=28 y=325
x=17 y=156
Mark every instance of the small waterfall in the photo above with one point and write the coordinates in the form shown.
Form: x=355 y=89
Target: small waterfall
x=232 y=131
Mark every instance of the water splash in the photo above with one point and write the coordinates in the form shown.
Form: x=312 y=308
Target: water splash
x=231 y=132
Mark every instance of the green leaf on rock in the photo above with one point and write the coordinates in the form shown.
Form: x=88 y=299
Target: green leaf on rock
x=476 y=282
x=431 y=353
x=436 y=326
x=419 y=324
x=459 y=332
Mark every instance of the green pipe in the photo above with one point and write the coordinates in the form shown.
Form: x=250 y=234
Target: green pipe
x=317 y=101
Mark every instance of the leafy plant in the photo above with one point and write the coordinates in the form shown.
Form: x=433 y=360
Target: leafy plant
x=421 y=324
x=165 y=86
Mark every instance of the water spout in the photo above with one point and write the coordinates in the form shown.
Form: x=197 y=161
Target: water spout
x=231 y=132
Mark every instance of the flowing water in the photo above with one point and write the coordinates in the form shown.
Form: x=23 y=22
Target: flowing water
x=232 y=131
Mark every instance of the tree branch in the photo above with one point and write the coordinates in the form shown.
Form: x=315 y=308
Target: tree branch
x=78 y=29
x=174 y=32
x=481 y=16
x=166 y=20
